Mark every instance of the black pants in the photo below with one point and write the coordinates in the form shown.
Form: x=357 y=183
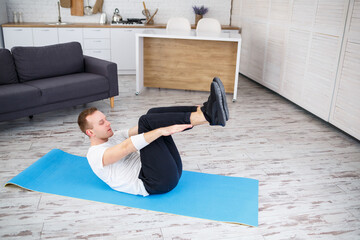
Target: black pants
x=161 y=163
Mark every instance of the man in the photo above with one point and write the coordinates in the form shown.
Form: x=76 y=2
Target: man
x=114 y=158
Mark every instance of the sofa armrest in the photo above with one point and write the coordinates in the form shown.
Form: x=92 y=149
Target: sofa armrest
x=104 y=68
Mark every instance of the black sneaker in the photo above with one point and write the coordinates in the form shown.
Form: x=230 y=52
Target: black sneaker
x=213 y=109
x=223 y=94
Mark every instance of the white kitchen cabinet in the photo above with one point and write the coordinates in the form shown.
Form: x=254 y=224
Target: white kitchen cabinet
x=16 y=36
x=96 y=32
x=70 y=35
x=97 y=43
x=345 y=111
x=45 y=36
x=101 y=53
x=123 y=49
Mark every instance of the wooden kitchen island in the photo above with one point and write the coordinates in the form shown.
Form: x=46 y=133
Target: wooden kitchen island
x=187 y=61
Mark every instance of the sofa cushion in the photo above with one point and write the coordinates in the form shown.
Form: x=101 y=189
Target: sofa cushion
x=72 y=86
x=7 y=68
x=15 y=97
x=48 y=61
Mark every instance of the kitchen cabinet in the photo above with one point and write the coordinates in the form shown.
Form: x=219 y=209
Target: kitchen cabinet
x=45 y=36
x=97 y=43
x=70 y=35
x=345 y=111
x=17 y=36
x=123 y=49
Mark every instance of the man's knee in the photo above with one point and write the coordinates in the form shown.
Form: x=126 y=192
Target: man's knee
x=152 y=110
x=143 y=124
x=167 y=185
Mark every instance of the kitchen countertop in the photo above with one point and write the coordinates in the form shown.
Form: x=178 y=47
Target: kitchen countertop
x=98 y=25
x=232 y=37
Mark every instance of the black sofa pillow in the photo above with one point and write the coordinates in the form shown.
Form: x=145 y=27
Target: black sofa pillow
x=48 y=61
x=8 y=73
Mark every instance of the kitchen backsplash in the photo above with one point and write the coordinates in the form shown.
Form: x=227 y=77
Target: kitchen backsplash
x=46 y=10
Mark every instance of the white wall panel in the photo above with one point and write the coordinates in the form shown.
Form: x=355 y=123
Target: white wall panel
x=295 y=64
x=303 y=12
x=274 y=59
x=345 y=112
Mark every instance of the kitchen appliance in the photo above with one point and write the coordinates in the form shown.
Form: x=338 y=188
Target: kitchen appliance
x=103 y=18
x=116 y=17
x=130 y=21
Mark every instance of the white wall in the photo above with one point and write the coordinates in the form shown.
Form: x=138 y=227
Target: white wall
x=46 y=10
x=3 y=19
x=236 y=13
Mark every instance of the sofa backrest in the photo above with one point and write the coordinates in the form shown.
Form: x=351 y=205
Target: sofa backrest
x=8 y=73
x=48 y=61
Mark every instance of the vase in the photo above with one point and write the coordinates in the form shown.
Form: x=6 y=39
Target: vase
x=197 y=18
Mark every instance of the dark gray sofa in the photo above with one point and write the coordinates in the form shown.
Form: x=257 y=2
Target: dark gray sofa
x=40 y=79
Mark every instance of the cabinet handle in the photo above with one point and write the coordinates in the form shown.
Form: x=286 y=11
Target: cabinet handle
x=96 y=30
x=97 y=51
x=45 y=30
x=18 y=30
x=97 y=41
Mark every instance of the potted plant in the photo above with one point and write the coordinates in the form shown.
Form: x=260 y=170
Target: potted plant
x=199 y=13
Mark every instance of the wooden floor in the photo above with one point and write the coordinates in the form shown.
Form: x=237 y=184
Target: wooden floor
x=309 y=171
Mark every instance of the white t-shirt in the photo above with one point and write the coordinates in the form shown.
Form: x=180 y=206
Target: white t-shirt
x=122 y=175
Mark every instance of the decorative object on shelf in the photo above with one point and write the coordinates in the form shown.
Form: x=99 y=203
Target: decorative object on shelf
x=88 y=10
x=147 y=14
x=65 y=3
x=15 y=18
x=199 y=13
x=77 y=7
x=20 y=17
x=98 y=6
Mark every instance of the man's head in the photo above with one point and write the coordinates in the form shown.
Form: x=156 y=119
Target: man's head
x=94 y=124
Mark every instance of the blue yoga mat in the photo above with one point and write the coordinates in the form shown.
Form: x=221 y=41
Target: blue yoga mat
x=208 y=196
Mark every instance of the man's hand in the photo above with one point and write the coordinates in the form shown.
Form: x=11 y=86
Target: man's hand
x=166 y=131
x=117 y=152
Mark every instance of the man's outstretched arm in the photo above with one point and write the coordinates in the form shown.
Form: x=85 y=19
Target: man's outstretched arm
x=119 y=151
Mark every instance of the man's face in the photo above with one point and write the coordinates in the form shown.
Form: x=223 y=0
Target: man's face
x=101 y=128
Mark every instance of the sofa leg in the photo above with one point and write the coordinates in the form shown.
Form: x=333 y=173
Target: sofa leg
x=31 y=116
x=112 y=102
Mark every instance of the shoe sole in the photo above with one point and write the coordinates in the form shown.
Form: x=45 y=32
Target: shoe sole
x=223 y=94
x=220 y=106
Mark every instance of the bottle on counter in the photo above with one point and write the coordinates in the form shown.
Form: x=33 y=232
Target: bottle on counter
x=15 y=17
x=20 y=17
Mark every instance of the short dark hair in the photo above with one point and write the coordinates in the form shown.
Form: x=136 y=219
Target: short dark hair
x=82 y=122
